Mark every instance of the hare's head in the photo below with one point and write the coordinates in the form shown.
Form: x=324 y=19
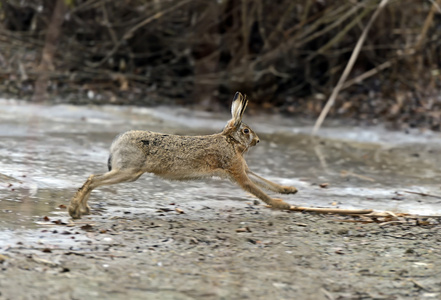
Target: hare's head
x=237 y=131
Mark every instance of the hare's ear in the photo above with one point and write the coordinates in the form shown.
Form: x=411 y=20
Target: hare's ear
x=238 y=107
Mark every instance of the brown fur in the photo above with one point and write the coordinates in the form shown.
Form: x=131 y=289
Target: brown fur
x=184 y=158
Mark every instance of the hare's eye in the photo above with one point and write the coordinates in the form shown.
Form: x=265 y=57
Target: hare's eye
x=246 y=130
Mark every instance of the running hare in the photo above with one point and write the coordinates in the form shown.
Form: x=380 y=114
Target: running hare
x=183 y=158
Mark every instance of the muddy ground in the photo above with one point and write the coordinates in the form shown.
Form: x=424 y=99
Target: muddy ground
x=154 y=239
x=251 y=253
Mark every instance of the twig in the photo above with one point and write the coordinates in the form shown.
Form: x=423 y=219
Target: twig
x=367 y=74
x=427 y=23
x=345 y=173
x=6 y=178
x=436 y=5
x=391 y=223
x=420 y=285
x=332 y=210
x=327 y=294
x=342 y=33
x=338 y=21
x=46 y=64
x=319 y=153
x=295 y=40
x=107 y=24
x=423 y=194
x=129 y=34
x=245 y=29
x=348 y=68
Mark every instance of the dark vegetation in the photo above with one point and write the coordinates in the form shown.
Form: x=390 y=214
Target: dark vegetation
x=286 y=55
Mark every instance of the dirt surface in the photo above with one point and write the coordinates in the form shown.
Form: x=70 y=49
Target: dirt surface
x=155 y=239
x=251 y=253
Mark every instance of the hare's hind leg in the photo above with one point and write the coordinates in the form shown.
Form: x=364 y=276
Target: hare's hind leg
x=248 y=185
x=78 y=204
x=269 y=185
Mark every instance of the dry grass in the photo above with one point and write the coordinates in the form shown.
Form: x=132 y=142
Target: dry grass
x=287 y=55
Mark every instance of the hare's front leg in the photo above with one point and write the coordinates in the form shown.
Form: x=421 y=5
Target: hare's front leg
x=269 y=185
x=241 y=177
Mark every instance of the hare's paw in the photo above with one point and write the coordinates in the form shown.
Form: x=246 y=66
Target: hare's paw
x=289 y=189
x=279 y=204
x=74 y=208
x=85 y=210
x=74 y=211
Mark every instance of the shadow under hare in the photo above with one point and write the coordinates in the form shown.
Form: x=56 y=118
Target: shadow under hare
x=184 y=158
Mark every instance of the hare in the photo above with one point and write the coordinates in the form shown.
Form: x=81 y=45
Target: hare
x=184 y=158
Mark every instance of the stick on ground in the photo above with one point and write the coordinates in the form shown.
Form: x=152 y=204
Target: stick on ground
x=332 y=210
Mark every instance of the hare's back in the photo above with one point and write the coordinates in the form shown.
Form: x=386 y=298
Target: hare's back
x=165 y=154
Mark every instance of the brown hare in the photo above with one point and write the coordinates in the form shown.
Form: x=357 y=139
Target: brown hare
x=184 y=158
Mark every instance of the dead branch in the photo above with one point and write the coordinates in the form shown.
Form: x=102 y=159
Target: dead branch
x=423 y=194
x=129 y=34
x=348 y=68
x=332 y=210
x=46 y=64
x=282 y=56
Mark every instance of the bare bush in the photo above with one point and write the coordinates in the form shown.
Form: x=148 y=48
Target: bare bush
x=287 y=55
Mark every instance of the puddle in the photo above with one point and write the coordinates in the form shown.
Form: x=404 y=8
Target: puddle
x=47 y=152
